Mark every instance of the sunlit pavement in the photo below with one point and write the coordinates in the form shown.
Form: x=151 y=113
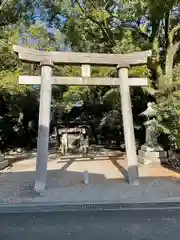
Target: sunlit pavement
x=106 y=181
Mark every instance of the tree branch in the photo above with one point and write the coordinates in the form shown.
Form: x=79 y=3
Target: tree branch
x=93 y=4
x=104 y=30
x=3 y=3
x=171 y=51
x=172 y=32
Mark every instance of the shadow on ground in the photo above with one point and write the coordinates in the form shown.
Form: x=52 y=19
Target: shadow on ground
x=54 y=153
x=20 y=184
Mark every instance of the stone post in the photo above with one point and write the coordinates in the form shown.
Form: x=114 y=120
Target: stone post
x=43 y=128
x=133 y=175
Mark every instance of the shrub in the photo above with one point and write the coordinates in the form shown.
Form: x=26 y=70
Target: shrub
x=168 y=110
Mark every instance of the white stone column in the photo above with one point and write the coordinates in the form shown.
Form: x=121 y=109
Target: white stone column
x=43 y=128
x=133 y=176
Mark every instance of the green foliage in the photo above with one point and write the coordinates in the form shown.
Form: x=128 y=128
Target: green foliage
x=168 y=110
x=91 y=26
x=74 y=96
x=19 y=104
x=8 y=60
x=18 y=108
x=112 y=99
x=12 y=11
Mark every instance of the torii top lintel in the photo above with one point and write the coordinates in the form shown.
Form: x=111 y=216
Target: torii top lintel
x=129 y=59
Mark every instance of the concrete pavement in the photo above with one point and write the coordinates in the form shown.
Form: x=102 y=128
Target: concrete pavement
x=137 y=225
x=161 y=190
x=106 y=173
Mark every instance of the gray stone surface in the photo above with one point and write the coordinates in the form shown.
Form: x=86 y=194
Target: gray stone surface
x=100 y=225
x=133 y=174
x=153 y=155
x=150 y=158
x=43 y=126
x=145 y=161
x=1 y=157
x=3 y=163
x=158 y=190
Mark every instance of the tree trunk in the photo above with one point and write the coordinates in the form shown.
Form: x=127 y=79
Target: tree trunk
x=171 y=51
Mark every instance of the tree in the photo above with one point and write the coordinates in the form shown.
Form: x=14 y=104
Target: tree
x=98 y=26
x=109 y=26
x=19 y=104
x=168 y=110
x=11 y=11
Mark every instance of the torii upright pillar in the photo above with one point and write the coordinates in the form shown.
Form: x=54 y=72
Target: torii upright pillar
x=43 y=128
x=133 y=175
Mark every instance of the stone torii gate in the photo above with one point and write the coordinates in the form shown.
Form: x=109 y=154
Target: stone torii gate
x=47 y=59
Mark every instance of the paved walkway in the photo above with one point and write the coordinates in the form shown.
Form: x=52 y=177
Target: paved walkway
x=106 y=177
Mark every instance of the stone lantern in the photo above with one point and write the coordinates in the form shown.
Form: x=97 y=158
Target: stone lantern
x=151 y=152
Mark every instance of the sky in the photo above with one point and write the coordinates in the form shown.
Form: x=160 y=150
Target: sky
x=36 y=20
